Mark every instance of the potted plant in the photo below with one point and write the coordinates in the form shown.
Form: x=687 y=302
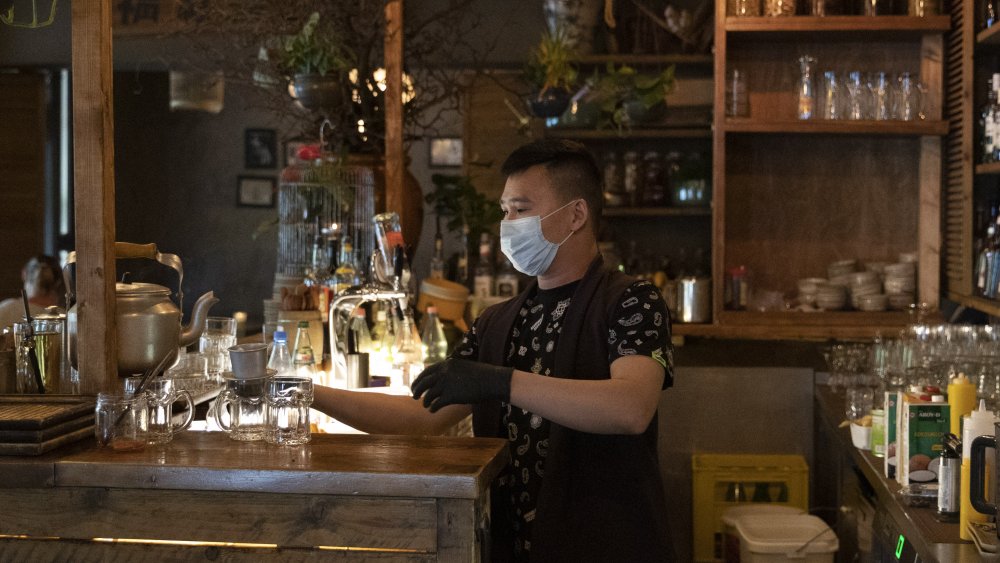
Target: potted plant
x=626 y=97
x=315 y=61
x=551 y=71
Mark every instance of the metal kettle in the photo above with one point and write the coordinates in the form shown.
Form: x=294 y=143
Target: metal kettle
x=148 y=321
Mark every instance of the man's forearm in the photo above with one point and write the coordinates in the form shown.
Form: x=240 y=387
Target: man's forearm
x=379 y=413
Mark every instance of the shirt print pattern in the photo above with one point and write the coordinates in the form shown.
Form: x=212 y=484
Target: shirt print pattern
x=639 y=325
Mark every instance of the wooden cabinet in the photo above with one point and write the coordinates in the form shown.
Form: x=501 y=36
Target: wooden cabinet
x=792 y=196
x=973 y=55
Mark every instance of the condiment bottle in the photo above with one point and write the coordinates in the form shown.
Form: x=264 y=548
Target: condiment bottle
x=979 y=422
x=962 y=399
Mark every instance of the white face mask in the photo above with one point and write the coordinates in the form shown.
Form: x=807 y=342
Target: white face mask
x=522 y=241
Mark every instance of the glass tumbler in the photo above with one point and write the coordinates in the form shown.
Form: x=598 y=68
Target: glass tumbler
x=122 y=422
x=858 y=97
x=881 y=90
x=743 y=8
x=216 y=339
x=908 y=98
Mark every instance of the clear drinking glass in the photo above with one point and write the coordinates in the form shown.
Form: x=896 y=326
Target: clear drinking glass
x=239 y=409
x=832 y=105
x=807 y=90
x=122 y=422
x=908 y=98
x=858 y=97
x=216 y=339
x=743 y=8
x=47 y=343
x=881 y=92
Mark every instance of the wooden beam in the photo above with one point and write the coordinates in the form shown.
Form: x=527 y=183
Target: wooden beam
x=395 y=165
x=94 y=192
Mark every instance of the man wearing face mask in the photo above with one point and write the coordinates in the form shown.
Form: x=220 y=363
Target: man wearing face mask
x=570 y=372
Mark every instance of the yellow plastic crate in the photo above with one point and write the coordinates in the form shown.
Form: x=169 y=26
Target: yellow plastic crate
x=722 y=481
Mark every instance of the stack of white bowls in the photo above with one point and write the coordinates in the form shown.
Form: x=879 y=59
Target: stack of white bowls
x=863 y=284
x=837 y=270
x=808 y=288
x=900 y=283
x=831 y=296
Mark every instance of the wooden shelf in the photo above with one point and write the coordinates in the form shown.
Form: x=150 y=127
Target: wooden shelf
x=839 y=127
x=657 y=212
x=692 y=131
x=987 y=169
x=854 y=25
x=797 y=325
x=989 y=36
x=647 y=60
x=989 y=306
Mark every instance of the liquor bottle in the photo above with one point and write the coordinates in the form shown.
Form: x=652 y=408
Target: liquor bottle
x=437 y=261
x=407 y=357
x=435 y=345
x=305 y=360
x=507 y=280
x=988 y=118
x=989 y=13
x=483 y=284
x=281 y=357
x=462 y=275
x=346 y=274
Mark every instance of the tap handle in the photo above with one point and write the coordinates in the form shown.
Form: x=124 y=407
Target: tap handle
x=398 y=261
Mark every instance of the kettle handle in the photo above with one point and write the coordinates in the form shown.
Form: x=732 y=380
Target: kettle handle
x=132 y=250
x=977 y=481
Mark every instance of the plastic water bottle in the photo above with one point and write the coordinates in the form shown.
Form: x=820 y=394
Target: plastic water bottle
x=434 y=342
x=281 y=356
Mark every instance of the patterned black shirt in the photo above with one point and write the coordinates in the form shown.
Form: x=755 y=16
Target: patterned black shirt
x=640 y=325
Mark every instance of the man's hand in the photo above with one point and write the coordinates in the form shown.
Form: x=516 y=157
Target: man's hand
x=462 y=382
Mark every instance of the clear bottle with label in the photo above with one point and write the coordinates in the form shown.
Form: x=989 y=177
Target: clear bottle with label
x=484 y=279
x=435 y=345
x=462 y=273
x=304 y=360
x=437 y=261
x=346 y=274
x=807 y=87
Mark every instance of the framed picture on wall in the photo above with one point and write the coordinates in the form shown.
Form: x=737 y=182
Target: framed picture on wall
x=260 y=148
x=255 y=191
x=446 y=151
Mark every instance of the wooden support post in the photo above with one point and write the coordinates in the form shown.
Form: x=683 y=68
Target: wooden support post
x=94 y=177
x=395 y=164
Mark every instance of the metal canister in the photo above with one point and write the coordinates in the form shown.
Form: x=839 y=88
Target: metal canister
x=949 y=477
x=694 y=300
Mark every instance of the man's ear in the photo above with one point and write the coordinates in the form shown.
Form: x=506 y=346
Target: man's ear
x=581 y=212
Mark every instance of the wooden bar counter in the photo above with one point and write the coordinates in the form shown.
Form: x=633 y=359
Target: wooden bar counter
x=204 y=496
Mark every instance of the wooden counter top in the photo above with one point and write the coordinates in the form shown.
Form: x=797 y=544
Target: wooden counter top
x=339 y=498
x=331 y=464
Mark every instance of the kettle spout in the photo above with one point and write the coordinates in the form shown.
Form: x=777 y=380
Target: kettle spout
x=193 y=330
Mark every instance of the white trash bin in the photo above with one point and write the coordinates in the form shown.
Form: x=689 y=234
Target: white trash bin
x=730 y=538
x=778 y=538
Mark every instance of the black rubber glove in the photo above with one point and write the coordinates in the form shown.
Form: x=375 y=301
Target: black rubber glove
x=462 y=382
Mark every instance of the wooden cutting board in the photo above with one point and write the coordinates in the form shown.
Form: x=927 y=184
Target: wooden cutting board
x=37 y=412
x=42 y=447
x=45 y=434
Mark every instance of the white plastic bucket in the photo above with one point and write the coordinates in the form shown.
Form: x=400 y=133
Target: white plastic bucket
x=777 y=538
x=731 y=539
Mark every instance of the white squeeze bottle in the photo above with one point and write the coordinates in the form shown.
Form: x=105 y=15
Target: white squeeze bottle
x=977 y=423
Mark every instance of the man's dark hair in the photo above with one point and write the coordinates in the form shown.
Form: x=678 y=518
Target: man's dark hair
x=573 y=170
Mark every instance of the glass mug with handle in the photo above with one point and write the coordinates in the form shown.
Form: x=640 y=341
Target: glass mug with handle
x=239 y=409
x=287 y=401
x=161 y=394
x=122 y=422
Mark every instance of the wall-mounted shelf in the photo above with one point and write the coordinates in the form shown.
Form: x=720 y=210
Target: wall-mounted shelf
x=988 y=169
x=820 y=126
x=844 y=26
x=687 y=131
x=657 y=212
x=647 y=60
x=989 y=306
x=989 y=36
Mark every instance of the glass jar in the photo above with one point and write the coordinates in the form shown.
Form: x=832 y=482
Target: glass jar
x=614 y=195
x=923 y=8
x=630 y=177
x=743 y=8
x=689 y=182
x=654 y=180
x=777 y=8
x=737 y=100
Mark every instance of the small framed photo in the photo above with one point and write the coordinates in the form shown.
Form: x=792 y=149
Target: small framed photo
x=255 y=191
x=446 y=151
x=291 y=151
x=260 y=148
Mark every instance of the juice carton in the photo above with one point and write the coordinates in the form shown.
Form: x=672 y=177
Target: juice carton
x=922 y=420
